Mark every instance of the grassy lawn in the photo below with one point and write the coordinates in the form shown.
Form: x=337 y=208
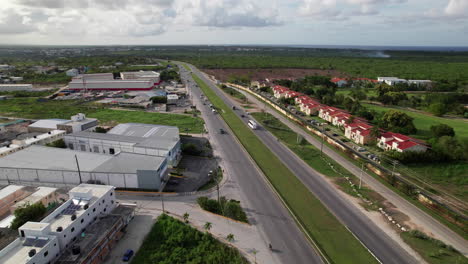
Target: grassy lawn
x=31 y=108
x=347 y=91
x=172 y=241
x=332 y=237
x=433 y=251
x=424 y=122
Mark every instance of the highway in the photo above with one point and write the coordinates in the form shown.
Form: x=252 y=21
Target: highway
x=289 y=243
x=379 y=243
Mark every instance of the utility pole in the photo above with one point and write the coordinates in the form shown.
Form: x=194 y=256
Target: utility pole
x=323 y=139
x=78 y=166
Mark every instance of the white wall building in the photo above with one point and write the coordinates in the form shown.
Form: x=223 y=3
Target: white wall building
x=42 y=242
x=56 y=167
x=72 y=72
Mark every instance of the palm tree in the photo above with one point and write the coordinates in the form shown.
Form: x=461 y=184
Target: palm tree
x=254 y=252
x=230 y=238
x=207 y=226
x=186 y=217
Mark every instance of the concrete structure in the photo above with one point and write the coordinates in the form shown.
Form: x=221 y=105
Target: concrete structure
x=79 y=122
x=401 y=143
x=44 y=195
x=427 y=83
x=45 y=125
x=172 y=99
x=46 y=166
x=43 y=139
x=151 y=140
x=42 y=242
x=15 y=87
x=9 y=196
x=16 y=78
x=72 y=72
x=391 y=80
x=106 y=82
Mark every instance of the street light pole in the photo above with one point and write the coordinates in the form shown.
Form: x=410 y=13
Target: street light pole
x=360 y=177
x=78 y=166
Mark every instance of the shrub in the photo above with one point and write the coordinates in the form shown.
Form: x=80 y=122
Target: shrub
x=228 y=208
x=31 y=212
x=442 y=130
x=191 y=149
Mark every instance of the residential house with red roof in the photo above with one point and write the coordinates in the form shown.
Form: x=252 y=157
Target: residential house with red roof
x=292 y=94
x=401 y=143
x=327 y=113
x=340 y=82
x=359 y=132
x=340 y=119
x=280 y=91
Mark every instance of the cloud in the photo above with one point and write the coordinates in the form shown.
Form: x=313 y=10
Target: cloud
x=15 y=23
x=230 y=13
x=457 y=9
x=319 y=8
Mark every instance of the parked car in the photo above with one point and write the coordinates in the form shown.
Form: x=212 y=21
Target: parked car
x=221 y=131
x=361 y=149
x=128 y=255
x=335 y=134
x=233 y=108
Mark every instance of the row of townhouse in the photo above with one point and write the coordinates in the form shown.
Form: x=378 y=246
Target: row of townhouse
x=356 y=129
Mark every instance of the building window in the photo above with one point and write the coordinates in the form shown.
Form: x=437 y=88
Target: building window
x=55 y=244
x=46 y=253
x=94 y=209
x=82 y=220
x=70 y=146
x=64 y=235
x=105 y=209
x=103 y=200
x=73 y=229
x=83 y=147
x=111 y=193
x=111 y=151
x=96 y=149
x=112 y=202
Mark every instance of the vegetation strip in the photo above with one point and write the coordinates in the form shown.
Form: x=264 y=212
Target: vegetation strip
x=333 y=238
x=172 y=241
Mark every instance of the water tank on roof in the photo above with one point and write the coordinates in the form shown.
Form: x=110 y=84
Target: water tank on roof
x=31 y=253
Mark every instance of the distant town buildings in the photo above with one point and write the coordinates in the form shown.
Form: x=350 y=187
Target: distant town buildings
x=15 y=87
x=396 y=80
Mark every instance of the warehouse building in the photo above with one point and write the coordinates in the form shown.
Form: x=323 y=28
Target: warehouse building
x=45 y=125
x=106 y=82
x=145 y=139
x=39 y=165
x=44 y=242
x=78 y=122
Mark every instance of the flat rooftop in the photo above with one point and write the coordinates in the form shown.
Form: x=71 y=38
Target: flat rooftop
x=48 y=123
x=18 y=254
x=75 y=205
x=94 y=234
x=49 y=158
x=36 y=196
x=9 y=190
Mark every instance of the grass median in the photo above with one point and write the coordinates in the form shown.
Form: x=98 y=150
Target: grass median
x=339 y=245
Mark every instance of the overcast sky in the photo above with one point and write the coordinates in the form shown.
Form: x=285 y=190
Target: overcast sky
x=313 y=22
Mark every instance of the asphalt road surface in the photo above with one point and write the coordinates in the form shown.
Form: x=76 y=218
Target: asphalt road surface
x=380 y=244
x=288 y=241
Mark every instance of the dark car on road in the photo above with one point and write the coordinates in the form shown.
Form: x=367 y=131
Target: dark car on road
x=128 y=255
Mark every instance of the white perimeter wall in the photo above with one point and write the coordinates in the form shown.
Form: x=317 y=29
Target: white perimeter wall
x=59 y=178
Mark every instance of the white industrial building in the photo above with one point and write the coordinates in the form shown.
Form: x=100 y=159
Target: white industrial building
x=105 y=81
x=43 y=242
x=47 y=166
x=78 y=122
x=17 y=145
x=146 y=139
x=15 y=87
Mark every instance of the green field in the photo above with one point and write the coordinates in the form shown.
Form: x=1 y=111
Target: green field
x=433 y=251
x=31 y=108
x=170 y=241
x=423 y=122
x=337 y=243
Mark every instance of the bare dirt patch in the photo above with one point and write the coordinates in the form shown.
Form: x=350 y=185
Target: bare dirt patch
x=280 y=73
